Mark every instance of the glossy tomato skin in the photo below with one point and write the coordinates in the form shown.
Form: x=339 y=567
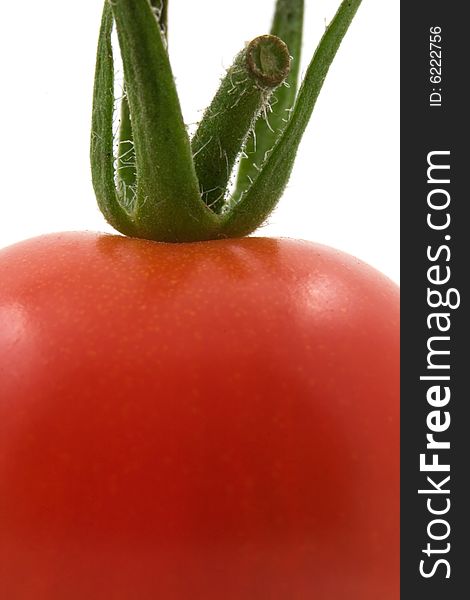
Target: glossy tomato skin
x=197 y=421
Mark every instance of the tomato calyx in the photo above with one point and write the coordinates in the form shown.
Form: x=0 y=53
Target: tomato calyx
x=160 y=185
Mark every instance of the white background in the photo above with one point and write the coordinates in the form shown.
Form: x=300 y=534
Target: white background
x=344 y=190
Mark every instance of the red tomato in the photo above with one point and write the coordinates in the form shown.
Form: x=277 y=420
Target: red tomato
x=197 y=421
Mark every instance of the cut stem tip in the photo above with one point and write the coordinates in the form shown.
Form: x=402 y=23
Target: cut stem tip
x=268 y=60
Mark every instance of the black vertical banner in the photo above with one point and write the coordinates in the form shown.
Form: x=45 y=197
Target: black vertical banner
x=435 y=254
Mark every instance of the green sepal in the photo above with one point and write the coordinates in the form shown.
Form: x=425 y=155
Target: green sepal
x=168 y=206
x=126 y=176
x=161 y=12
x=102 y=139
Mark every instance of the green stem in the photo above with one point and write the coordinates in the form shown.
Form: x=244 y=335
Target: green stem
x=261 y=198
x=243 y=93
x=287 y=25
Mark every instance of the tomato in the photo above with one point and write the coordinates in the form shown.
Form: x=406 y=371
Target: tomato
x=197 y=421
